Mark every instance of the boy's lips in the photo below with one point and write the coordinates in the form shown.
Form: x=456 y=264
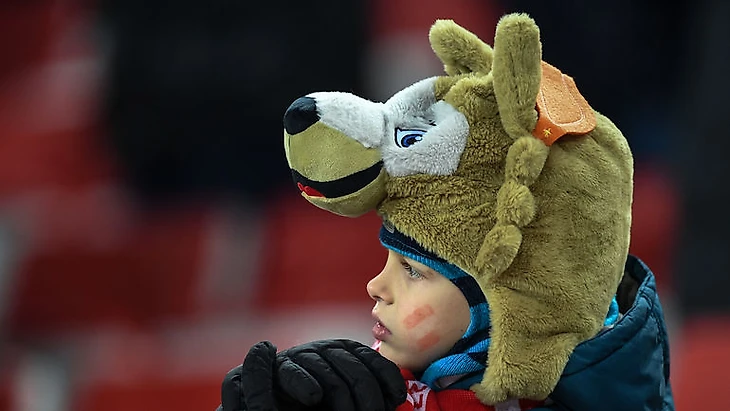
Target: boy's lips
x=380 y=331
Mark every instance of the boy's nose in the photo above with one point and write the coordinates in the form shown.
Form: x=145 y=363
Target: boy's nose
x=300 y=115
x=378 y=290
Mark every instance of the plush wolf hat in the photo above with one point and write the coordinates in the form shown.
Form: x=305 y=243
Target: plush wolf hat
x=501 y=168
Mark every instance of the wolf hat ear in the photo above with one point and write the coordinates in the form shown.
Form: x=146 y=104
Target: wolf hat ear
x=461 y=51
x=517 y=72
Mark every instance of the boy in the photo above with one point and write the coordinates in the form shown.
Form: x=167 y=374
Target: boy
x=432 y=321
x=498 y=181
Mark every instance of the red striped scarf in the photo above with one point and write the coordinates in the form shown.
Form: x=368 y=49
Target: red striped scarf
x=422 y=398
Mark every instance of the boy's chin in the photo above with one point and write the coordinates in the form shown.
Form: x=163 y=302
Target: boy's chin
x=402 y=359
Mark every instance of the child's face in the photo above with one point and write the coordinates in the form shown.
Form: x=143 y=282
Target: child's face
x=420 y=314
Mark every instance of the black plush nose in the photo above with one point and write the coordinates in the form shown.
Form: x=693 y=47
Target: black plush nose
x=300 y=115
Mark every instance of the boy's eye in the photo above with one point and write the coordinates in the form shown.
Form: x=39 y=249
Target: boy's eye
x=412 y=272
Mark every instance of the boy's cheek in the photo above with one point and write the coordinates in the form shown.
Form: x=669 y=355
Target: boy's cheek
x=417 y=316
x=426 y=334
x=428 y=341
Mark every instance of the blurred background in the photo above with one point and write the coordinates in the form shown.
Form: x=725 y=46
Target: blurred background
x=149 y=231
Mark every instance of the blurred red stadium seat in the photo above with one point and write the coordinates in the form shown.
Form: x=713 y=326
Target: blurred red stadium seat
x=700 y=362
x=189 y=394
x=170 y=368
x=11 y=359
x=143 y=371
x=313 y=257
x=478 y=16
x=655 y=221
x=148 y=276
x=7 y=376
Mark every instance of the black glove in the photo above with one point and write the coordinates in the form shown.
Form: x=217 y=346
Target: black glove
x=331 y=375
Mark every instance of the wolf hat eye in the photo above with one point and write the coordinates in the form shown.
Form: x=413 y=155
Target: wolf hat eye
x=405 y=138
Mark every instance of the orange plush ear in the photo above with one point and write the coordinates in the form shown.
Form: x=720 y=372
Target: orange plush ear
x=561 y=108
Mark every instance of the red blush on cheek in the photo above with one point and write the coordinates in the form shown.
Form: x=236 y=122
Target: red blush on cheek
x=418 y=315
x=428 y=341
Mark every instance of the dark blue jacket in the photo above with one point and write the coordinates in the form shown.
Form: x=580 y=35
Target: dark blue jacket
x=626 y=367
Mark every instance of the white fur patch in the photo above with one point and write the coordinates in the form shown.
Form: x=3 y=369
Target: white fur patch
x=415 y=133
x=443 y=133
x=356 y=117
x=437 y=153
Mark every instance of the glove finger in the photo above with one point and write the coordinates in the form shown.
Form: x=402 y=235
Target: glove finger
x=231 y=395
x=363 y=382
x=295 y=382
x=386 y=372
x=336 y=394
x=257 y=377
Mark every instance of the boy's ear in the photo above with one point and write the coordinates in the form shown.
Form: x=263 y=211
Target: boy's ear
x=516 y=71
x=461 y=51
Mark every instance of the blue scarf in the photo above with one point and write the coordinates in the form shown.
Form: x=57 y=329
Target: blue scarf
x=465 y=362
